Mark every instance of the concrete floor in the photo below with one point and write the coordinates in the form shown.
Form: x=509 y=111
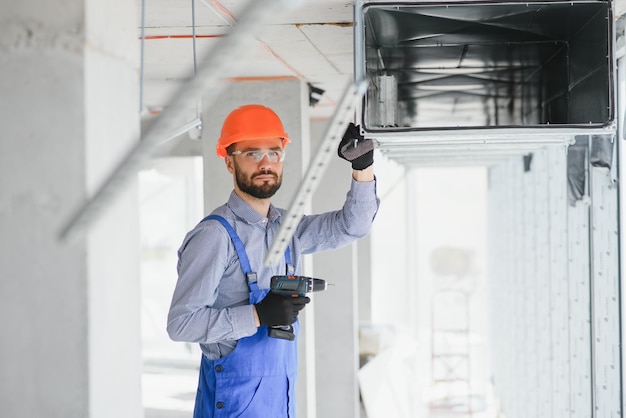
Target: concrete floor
x=169 y=392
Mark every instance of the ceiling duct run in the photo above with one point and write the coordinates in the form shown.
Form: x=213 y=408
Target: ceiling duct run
x=485 y=71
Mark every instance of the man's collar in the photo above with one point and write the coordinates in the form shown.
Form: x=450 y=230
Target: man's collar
x=245 y=211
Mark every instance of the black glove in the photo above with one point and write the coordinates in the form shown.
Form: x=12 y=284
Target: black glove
x=355 y=148
x=276 y=309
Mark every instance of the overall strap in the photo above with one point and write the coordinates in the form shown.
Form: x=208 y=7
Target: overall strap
x=239 y=247
x=243 y=256
x=290 y=269
x=251 y=276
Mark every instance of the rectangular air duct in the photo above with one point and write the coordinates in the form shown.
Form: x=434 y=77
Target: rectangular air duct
x=486 y=65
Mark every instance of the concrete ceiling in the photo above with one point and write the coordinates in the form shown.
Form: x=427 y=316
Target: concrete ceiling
x=313 y=43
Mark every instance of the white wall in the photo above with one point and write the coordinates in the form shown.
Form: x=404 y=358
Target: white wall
x=554 y=280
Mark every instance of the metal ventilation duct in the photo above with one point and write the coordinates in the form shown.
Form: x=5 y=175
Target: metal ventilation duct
x=486 y=67
x=489 y=64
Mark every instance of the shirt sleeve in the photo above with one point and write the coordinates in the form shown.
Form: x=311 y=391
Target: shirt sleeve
x=194 y=315
x=336 y=229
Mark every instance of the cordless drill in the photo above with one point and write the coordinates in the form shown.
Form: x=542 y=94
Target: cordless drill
x=292 y=286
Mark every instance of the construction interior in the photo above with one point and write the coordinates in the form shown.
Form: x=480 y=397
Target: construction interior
x=490 y=284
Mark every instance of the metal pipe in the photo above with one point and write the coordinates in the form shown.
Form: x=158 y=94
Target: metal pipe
x=157 y=37
x=193 y=35
x=436 y=154
x=195 y=59
x=460 y=142
x=390 y=147
x=517 y=134
x=141 y=63
x=196 y=123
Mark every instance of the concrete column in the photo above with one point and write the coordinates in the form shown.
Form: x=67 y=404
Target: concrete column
x=289 y=99
x=69 y=111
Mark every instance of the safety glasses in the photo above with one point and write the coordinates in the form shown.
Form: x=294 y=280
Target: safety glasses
x=255 y=156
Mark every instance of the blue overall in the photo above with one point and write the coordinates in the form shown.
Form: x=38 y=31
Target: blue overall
x=257 y=379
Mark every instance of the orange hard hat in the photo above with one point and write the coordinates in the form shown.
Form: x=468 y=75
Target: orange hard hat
x=248 y=122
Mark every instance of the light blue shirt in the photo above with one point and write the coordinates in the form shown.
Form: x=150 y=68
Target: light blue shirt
x=210 y=302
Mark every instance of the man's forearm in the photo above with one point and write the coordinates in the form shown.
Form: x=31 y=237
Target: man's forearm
x=367 y=174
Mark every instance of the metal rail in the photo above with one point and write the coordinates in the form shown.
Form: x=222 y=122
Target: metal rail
x=334 y=131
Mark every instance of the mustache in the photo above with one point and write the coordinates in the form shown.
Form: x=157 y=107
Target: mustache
x=265 y=173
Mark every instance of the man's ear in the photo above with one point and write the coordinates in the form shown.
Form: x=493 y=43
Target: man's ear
x=229 y=164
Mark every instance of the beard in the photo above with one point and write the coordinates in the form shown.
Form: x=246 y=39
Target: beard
x=263 y=191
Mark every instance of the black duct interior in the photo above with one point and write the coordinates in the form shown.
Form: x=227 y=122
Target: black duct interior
x=488 y=64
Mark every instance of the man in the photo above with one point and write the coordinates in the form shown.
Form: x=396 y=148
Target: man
x=221 y=299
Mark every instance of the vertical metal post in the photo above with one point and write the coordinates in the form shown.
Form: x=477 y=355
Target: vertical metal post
x=142 y=60
x=605 y=304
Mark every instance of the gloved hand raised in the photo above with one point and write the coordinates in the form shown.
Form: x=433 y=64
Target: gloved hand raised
x=355 y=148
x=276 y=309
